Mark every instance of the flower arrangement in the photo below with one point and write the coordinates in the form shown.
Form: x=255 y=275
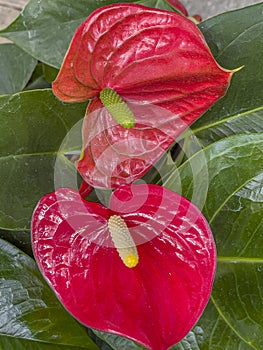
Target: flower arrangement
x=131 y=168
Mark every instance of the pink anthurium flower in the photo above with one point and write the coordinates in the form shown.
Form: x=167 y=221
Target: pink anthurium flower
x=127 y=57
x=142 y=268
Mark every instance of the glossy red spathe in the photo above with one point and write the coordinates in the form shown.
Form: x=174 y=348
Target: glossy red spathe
x=146 y=55
x=153 y=59
x=155 y=303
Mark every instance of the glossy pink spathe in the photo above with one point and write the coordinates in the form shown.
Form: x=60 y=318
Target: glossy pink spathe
x=155 y=303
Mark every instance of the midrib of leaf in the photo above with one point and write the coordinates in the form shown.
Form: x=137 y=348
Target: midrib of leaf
x=230 y=325
x=59 y=153
x=238 y=259
x=222 y=121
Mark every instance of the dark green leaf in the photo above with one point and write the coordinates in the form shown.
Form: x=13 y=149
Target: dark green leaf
x=228 y=187
x=21 y=239
x=117 y=342
x=16 y=67
x=38 y=80
x=33 y=126
x=50 y=73
x=236 y=40
x=160 y=4
x=30 y=315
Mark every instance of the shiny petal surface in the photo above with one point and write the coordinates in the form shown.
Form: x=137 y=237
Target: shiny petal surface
x=146 y=55
x=152 y=59
x=155 y=303
x=113 y=155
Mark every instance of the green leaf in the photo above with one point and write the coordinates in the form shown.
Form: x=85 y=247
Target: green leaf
x=16 y=68
x=160 y=4
x=236 y=40
x=33 y=126
x=232 y=168
x=31 y=316
x=117 y=342
x=38 y=80
x=21 y=239
x=50 y=73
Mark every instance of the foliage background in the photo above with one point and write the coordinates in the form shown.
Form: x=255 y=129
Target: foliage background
x=232 y=140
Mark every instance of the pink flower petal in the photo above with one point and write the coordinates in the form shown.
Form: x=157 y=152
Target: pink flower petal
x=155 y=303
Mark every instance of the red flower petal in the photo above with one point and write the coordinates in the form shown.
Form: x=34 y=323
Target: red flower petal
x=145 y=54
x=155 y=303
x=152 y=57
x=114 y=155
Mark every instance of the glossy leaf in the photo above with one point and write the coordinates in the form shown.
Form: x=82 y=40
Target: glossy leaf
x=233 y=205
x=72 y=243
x=30 y=316
x=116 y=342
x=235 y=39
x=21 y=239
x=33 y=126
x=16 y=68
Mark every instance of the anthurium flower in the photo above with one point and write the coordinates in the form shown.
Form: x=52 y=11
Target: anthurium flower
x=132 y=56
x=142 y=268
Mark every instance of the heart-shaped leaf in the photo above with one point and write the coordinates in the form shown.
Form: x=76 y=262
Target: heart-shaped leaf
x=31 y=317
x=14 y=79
x=79 y=247
x=33 y=126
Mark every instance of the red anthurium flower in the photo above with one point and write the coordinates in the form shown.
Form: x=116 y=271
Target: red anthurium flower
x=142 y=268
x=133 y=57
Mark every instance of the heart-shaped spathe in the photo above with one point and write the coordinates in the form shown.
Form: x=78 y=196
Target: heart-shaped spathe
x=155 y=303
x=153 y=59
